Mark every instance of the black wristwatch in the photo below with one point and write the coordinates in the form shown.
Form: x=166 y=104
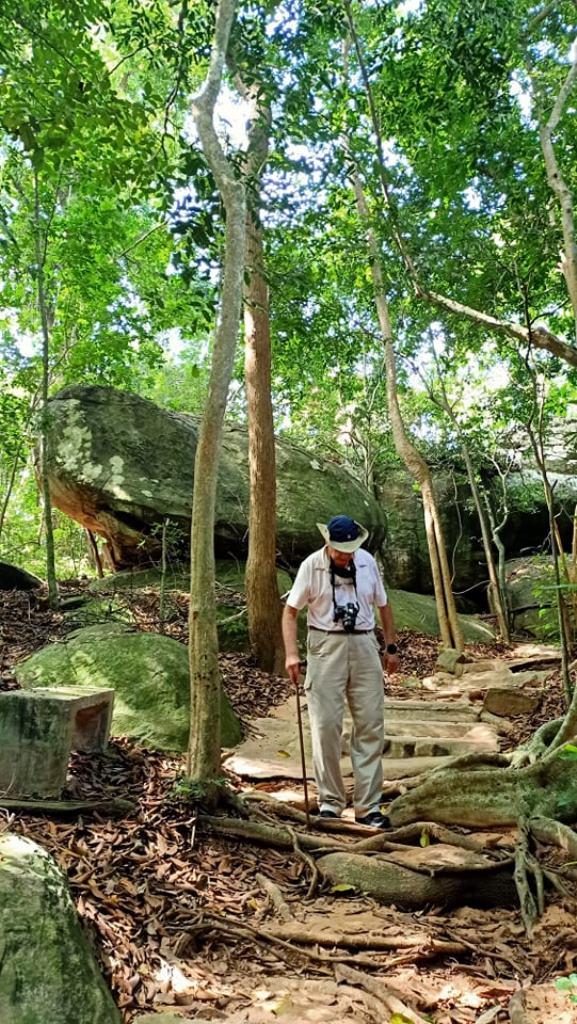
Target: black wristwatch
x=392 y=649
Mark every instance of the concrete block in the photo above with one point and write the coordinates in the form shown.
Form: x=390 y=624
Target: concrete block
x=38 y=731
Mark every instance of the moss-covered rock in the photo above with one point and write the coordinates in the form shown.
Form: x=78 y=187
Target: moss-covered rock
x=49 y=975
x=149 y=674
x=418 y=612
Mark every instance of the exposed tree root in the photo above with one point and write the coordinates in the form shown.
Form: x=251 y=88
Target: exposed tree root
x=260 y=832
x=545 y=830
x=309 y=861
x=412 y=890
x=537 y=746
x=276 y=897
x=408 y=833
x=490 y=797
x=117 y=807
x=524 y=866
x=266 y=937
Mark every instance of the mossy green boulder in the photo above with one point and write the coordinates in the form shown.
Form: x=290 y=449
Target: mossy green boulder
x=49 y=975
x=419 y=613
x=148 y=672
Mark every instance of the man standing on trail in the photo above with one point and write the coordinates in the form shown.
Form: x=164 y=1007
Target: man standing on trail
x=341 y=585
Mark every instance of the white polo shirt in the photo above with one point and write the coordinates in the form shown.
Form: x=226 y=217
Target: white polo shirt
x=312 y=587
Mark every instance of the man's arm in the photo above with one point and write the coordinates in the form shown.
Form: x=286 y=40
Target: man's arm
x=289 y=635
x=390 y=661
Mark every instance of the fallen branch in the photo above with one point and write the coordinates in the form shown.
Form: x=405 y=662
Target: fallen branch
x=280 y=838
x=386 y=997
x=420 y=943
x=116 y=807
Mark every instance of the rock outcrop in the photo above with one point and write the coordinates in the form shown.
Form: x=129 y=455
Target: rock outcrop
x=406 y=557
x=48 y=974
x=121 y=467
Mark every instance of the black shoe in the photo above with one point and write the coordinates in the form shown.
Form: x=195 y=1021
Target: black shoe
x=375 y=820
x=329 y=814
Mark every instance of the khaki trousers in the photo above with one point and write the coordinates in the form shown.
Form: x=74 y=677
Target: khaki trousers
x=346 y=666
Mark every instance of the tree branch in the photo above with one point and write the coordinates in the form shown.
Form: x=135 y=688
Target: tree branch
x=558 y=184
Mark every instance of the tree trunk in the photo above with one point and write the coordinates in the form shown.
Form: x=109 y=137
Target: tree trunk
x=264 y=608
x=450 y=629
x=203 y=760
x=262 y=596
x=40 y=243
x=496 y=594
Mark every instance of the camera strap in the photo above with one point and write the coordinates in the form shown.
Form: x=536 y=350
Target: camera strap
x=350 y=573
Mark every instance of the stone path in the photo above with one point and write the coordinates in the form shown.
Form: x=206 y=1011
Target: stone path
x=463 y=711
x=452 y=713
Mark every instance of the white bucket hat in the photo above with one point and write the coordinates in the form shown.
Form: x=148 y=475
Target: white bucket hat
x=343 y=533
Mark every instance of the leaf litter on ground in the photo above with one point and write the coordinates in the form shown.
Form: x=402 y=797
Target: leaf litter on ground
x=142 y=885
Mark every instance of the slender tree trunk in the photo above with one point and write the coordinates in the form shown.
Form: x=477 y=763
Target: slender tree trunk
x=10 y=485
x=450 y=629
x=40 y=253
x=496 y=597
x=93 y=548
x=501 y=559
x=203 y=761
x=262 y=596
x=264 y=608
x=564 y=626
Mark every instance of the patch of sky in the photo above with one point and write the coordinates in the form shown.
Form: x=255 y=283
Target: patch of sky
x=407 y=7
x=520 y=90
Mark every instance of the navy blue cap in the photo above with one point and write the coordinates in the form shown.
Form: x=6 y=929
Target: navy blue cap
x=342 y=528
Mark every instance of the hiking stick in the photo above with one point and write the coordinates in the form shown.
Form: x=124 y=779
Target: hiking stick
x=303 y=760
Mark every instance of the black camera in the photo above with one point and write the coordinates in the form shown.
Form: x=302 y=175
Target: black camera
x=348 y=614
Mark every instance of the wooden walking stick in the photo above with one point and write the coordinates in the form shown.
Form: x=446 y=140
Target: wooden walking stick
x=303 y=760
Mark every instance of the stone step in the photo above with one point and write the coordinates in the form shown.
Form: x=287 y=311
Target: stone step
x=425 y=727
x=480 y=739
x=430 y=710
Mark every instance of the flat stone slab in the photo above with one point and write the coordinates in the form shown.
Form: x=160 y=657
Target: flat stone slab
x=430 y=711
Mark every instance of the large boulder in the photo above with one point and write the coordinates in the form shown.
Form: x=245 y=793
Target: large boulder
x=148 y=672
x=121 y=466
x=14 y=578
x=406 y=556
x=531 y=595
x=48 y=974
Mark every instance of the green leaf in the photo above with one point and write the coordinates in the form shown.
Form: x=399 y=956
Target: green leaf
x=424 y=839
x=342 y=887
